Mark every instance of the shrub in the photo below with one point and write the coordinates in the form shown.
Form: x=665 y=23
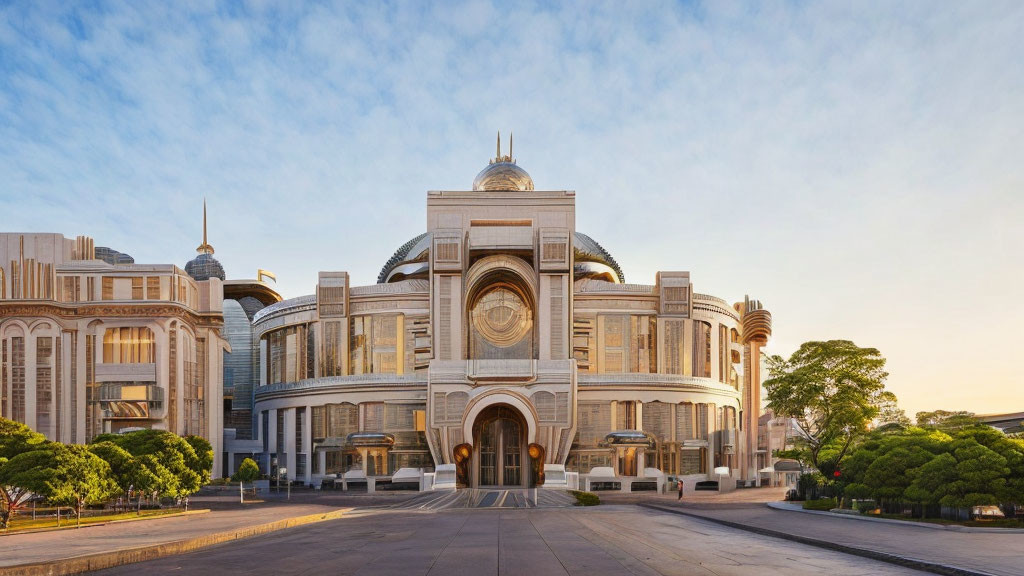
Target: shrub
x=865 y=506
x=809 y=484
x=585 y=498
x=820 y=504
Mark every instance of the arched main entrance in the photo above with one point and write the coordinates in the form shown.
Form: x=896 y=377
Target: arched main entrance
x=499 y=440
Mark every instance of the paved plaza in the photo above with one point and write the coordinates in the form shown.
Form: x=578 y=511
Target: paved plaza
x=607 y=540
x=413 y=534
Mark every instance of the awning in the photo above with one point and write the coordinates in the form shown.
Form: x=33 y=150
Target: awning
x=787 y=466
x=371 y=440
x=630 y=438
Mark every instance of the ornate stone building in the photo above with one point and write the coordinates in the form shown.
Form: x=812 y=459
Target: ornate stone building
x=500 y=340
x=90 y=345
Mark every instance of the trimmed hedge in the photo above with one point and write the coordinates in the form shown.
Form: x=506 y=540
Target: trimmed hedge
x=585 y=498
x=825 y=504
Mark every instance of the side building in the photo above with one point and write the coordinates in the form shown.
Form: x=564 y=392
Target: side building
x=91 y=345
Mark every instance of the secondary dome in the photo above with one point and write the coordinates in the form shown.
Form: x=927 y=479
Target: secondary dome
x=204 y=266
x=411 y=260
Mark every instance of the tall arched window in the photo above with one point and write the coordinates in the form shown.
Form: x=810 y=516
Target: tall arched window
x=129 y=345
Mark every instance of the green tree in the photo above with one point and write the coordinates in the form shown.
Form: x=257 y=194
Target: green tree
x=980 y=475
x=832 y=390
x=947 y=421
x=890 y=414
x=128 y=472
x=248 y=471
x=178 y=477
x=202 y=464
x=890 y=474
x=64 y=475
x=15 y=438
x=932 y=480
x=78 y=478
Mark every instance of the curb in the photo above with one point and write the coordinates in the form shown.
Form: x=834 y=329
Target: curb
x=102 y=560
x=948 y=527
x=914 y=563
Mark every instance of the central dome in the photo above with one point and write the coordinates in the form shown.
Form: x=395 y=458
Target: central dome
x=503 y=175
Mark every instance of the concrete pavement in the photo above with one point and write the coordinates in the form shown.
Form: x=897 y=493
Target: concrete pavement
x=30 y=553
x=601 y=541
x=1000 y=554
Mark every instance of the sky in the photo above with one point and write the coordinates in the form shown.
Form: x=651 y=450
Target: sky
x=856 y=166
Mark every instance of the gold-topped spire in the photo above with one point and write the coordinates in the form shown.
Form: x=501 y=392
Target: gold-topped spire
x=205 y=247
x=506 y=158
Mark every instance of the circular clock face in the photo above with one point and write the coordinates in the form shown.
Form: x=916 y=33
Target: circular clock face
x=501 y=317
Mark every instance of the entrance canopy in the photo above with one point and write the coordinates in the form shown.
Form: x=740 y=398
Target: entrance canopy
x=371 y=440
x=634 y=438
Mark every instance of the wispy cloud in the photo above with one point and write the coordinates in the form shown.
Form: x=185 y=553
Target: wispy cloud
x=855 y=166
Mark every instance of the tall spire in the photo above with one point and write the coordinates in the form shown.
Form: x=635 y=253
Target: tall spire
x=497 y=155
x=510 y=147
x=204 y=248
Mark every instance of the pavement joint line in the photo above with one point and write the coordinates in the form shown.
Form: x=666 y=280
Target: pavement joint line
x=112 y=558
x=925 y=566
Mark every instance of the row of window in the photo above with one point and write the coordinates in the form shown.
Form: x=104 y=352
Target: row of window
x=177 y=288
x=378 y=344
x=123 y=345
x=595 y=419
x=330 y=426
x=614 y=343
x=602 y=344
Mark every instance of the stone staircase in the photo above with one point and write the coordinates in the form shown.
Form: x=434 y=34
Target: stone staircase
x=491 y=498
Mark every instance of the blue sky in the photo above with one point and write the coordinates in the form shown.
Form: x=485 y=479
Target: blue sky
x=856 y=166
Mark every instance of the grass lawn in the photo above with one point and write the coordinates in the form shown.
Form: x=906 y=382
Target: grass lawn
x=67 y=519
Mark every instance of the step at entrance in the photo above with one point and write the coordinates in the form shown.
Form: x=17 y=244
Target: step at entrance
x=488 y=498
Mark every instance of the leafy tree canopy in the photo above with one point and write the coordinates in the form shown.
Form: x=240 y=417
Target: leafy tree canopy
x=833 y=390
x=248 y=471
x=78 y=477
x=127 y=471
x=16 y=438
x=172 y=452
x=945 y=420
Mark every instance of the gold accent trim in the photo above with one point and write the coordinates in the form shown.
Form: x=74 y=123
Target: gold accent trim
x=485 y=223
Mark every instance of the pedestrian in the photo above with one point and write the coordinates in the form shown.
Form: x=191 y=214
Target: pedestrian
x=679 y=484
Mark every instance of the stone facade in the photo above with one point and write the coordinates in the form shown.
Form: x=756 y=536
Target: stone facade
x=88 y=347
x=502 y=340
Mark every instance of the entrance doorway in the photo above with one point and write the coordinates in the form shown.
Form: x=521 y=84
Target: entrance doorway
x=499 y=434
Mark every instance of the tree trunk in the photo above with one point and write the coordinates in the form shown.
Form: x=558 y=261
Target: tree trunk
x=78 y=514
